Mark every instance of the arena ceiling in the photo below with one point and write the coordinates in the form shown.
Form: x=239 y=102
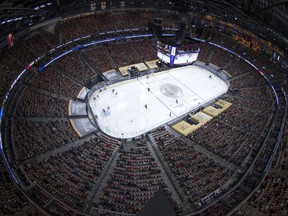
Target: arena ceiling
x=16 y=15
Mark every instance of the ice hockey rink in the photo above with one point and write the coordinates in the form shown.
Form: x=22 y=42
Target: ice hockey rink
x=133 y=107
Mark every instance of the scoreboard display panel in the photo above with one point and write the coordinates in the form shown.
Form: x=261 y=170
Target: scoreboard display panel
x=178 y=54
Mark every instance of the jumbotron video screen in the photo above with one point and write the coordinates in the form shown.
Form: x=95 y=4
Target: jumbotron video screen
x=178 y=54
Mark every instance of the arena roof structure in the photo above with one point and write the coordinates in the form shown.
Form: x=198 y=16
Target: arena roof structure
x=254 y=15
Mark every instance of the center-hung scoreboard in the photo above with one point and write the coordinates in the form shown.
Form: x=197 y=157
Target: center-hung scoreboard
x=177 y=54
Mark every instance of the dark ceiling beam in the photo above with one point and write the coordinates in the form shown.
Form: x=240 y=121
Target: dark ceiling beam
x=7 y=12
x=269 y=7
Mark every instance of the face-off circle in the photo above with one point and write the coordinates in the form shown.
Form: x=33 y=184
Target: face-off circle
x=131 y=121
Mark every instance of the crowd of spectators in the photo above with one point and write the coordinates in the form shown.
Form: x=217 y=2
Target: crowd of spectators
x=69 y=30
x=258 y=93
x=37 y=45
x=21 y=55
x=89 y=23
x=32 y=138
x=248 y=80
x=242 y=118
x=133 y=182
x=239 y=67
x=12 y=200
x=146 y=48
x=99 y=59
x=49 y=38
x=269 y=197
x=204 y=52
x=73 y=65
x=141 y=20
x=205 y=33
x=235 y=146
x=52 y=80
x=272 y=196
x=168 y=21
x=220 y=57
x=223 y=40
x=35 y=104
x=70 y=175
x=252 y=180
x=263 y=107
x=12 y=62
x=271 y=70
x=196 y=174
x=250 y=55
x=218 y=37
x=122 y=20
x=123 y=54
x=9 y=71
x=104 y=23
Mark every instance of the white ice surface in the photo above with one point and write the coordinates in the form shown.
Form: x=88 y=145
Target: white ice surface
x=128 y=116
